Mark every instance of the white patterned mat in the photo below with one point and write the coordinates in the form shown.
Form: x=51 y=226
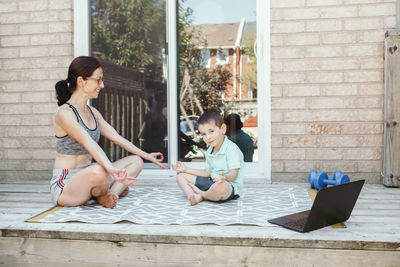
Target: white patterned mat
x=166 y=205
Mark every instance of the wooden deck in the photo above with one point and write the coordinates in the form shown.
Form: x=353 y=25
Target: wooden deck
x=372 y=237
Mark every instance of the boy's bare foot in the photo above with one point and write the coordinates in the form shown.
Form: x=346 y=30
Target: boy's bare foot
x=108 y=201
x=195 y=199
x=125 y=192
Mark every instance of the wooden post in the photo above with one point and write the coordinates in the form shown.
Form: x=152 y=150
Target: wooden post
x=398 y=14
x=391 y=157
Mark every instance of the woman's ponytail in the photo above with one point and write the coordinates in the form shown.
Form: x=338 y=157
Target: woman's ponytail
x=63 y=93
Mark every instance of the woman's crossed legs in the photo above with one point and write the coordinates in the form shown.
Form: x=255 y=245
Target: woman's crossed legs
x=94 y=181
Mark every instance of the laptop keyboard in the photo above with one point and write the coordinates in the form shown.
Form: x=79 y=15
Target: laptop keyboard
x=296 y=220
x=296 y=223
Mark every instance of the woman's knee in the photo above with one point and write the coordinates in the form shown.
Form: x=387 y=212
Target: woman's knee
x=136 y=161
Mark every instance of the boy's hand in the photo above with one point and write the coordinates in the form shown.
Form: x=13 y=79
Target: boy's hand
x=220 y=178
x=179 y=167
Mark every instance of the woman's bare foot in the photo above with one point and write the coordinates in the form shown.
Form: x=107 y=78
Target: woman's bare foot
x=125 y=192
x=108 y=201
x=195 y=199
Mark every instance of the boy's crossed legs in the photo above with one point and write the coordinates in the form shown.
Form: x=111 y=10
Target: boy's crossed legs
x=216 y=192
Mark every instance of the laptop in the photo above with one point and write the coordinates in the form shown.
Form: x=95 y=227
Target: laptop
x=331 y=205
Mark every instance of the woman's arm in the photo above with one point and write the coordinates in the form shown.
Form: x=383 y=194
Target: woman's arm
x=110 y=133
x=182 y=168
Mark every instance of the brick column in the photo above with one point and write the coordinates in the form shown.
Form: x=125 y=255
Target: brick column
x=35 y=51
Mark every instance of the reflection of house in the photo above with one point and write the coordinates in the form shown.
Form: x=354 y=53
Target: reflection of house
x=225 y=45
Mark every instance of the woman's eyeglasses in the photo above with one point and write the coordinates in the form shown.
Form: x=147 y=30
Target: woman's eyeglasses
x=99 y=80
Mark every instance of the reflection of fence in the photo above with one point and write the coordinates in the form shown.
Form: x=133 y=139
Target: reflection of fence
x=154 y=131
x=122 y=104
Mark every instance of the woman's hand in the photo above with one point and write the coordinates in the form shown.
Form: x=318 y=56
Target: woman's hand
x=157 y=158
x=121 y=176
x=179 y=167
x=220 y=178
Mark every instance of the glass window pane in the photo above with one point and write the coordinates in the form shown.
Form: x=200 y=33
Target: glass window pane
x=222 y=57
x=218 y=70
x=206 y=63
x=129 y=39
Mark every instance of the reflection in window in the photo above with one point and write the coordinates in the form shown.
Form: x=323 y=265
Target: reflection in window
x=218 y=68
x=222 y=57
x=129 y=37
x=205 y=57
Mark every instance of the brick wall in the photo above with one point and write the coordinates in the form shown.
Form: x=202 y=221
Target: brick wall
x=327 y=86
x=35 y=50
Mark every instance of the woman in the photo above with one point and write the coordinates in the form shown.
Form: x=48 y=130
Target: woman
x=77 y=128
x=239 y=137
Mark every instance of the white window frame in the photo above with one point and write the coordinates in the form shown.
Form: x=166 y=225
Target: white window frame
x=260 y=169
x=81 y=28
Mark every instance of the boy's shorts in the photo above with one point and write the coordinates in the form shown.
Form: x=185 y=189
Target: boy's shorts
x=204 y=183
x=59 y=180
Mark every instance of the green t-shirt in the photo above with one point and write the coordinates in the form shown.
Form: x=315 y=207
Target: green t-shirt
x=227 y=158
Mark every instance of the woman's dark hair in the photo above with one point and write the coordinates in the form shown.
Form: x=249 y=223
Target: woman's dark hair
x=233 y=122
x=81 y=66
x=211 y=116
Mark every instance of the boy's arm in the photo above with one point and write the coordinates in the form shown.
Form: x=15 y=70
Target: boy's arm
x=181 y=168
x=232 y=175
x=234 y=160
x=197 y=172
x=229 y=177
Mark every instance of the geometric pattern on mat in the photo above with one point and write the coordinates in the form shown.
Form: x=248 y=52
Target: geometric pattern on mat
x=166 y=205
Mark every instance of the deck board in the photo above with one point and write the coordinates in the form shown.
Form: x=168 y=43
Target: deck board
x=374 y=225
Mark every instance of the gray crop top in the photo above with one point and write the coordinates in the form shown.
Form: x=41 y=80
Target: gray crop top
x=69 y=146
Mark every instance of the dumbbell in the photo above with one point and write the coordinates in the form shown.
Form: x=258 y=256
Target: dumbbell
x=320 y=180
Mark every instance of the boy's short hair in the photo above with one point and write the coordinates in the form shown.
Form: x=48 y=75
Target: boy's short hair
x=211 y=116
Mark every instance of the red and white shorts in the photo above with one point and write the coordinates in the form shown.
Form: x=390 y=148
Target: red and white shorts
x=59 y=180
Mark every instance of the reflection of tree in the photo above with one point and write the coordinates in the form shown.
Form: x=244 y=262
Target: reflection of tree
x=201 y=89
x=129 y=37
x=129 y=33
x=250 y=77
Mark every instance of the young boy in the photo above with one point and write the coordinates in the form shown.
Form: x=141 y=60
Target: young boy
x=222 y=180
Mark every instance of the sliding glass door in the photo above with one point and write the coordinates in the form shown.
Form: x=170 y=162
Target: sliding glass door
x=166 y=62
